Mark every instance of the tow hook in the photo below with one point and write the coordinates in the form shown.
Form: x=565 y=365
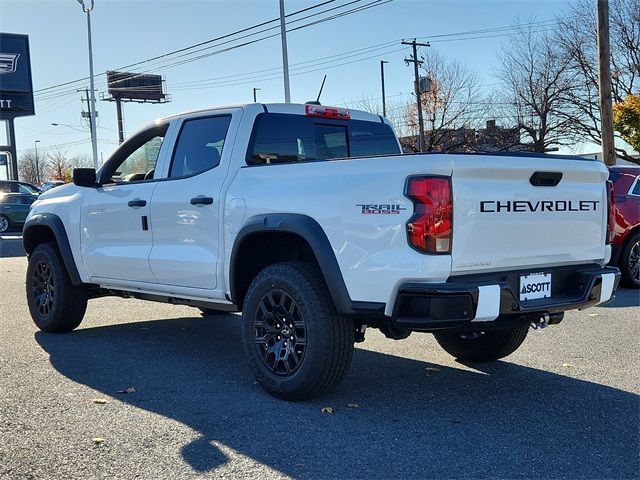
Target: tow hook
x=541 y=322
x=546 y=320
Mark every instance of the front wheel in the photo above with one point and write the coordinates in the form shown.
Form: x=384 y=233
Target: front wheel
x=55 y=304
x=482 y=346
x=297 y=345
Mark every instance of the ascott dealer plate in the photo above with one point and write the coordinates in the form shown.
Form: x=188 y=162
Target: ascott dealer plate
x=535 y=285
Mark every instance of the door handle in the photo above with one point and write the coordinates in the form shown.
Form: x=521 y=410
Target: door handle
x=137 y=203
x=201 y=200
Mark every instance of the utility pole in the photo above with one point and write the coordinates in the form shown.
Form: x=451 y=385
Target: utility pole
x=384 y=102
x=90 y=114
x=92 y=111
x=604 y=64
x=285 y=55
x=416 y=63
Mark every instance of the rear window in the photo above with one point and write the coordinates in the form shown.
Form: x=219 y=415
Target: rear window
x=284 y=138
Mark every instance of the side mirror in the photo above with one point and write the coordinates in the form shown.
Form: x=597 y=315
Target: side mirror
x=84 y=177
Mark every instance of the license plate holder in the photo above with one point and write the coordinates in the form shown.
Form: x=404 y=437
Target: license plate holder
x=534 y=286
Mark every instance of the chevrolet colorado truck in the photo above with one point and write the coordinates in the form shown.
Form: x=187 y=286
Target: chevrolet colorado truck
x=311 y=222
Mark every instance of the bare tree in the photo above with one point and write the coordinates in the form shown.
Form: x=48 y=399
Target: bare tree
x=32 y=168
x=577 y=36
x=59 y=165
x=453 y=107
x=82 y=160
x=537 y=78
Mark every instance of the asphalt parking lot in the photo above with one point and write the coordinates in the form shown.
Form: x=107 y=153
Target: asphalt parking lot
x=565 y=405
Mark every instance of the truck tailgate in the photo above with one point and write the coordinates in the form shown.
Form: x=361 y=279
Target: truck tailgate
x=505 y=217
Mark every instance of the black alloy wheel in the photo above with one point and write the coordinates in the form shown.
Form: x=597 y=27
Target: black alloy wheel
x=43 y=288
x=280 y=333
x=55 y=303
x=297 y=345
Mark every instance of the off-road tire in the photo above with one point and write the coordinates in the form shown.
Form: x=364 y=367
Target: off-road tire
x=5 y=223
x=329 y=338
x=66 y=303
x=486 y=347
x=629 y=277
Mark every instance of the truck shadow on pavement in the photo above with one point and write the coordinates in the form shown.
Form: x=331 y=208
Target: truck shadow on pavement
x=414 y=419
x=625 y=297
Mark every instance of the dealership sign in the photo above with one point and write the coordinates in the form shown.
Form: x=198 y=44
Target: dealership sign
x=16 y=90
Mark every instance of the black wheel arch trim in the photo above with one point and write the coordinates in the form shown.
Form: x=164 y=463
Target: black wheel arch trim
x=311 y=231
x=55 y=224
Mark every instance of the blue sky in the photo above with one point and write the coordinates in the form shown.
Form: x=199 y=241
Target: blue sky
x=126 y=32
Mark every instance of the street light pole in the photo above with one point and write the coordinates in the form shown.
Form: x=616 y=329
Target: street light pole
x=94 y=138
x=285 y=55
x=66 y=125
x=255 y=97
x=384 y=102
x=35 y=144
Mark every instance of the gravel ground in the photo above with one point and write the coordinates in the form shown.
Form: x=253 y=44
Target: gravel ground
x=565 y=405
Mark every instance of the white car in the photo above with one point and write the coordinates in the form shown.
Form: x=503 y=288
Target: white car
x=48 y=185
x=310 y=221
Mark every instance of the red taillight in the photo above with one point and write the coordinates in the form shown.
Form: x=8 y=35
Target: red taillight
x=327 y=112
x=611 y=213
x=430 y=229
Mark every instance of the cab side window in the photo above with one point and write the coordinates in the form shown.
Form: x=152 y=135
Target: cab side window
x=137 y=161
x=199 y=146
x=141 y=164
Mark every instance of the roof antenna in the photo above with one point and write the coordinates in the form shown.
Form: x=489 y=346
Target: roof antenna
x=317 y=100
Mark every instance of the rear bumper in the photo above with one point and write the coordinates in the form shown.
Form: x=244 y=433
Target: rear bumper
x=492 y=300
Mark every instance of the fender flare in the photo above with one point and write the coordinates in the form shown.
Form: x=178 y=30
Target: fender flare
x=55 y=224
x=307 y=228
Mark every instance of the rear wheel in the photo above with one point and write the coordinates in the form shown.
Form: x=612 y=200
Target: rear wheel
x=55 y=304
x=4 y=223
x=630 y=262
x=297 y=345
x=482 y=346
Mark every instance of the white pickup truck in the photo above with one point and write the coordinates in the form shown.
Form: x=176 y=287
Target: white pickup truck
x=310 y=221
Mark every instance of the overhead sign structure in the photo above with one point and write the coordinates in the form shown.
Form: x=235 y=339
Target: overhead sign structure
x=16 y=89
x=136 y=86
x=133 y=87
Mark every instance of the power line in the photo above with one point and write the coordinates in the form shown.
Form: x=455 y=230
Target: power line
x=250 y=42
x=60 y=145
x=360 y=8
x=237 y=32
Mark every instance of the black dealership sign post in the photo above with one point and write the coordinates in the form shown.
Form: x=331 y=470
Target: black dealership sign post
x=16 y=90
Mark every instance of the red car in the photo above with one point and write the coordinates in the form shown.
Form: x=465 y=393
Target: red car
x=626 y=243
